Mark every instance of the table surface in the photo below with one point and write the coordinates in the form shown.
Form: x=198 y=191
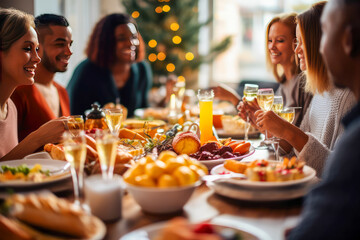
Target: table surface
x=204 y=204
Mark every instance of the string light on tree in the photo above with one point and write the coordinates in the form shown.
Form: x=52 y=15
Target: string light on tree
x=158 y=9
x=152 y=57
x=161 y=56
x=170 y=67
x=176 y=39
x=135 y=14
x=189 y=56
x=152 y=43
x=166 y=8
x=174 y=26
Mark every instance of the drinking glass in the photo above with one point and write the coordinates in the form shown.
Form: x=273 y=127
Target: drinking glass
x=206 y=97
x=250 y=93
x=106 y=145
x=75 y=154
x=75 y=123
x=288 y=114
x=278 y=104
x=265 y=98
x=113 y=118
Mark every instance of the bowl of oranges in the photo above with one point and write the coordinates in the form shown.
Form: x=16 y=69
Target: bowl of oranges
x=165 y=184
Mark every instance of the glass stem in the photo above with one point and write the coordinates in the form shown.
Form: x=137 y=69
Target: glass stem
x=78 y=183
x=246 y=128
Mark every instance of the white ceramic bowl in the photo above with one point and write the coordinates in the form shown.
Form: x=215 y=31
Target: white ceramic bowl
x=161 y=200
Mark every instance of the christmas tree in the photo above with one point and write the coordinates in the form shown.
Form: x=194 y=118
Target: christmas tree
x=170 y=29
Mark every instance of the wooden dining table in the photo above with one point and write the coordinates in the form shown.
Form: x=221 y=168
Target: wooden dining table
x=273 y=217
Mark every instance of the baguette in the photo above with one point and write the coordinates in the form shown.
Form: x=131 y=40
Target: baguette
x=129 y=134
x=52 y=213
x=9 y=229
x=56 y=151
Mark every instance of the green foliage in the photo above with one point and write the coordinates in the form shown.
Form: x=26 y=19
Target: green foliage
x=153 y=25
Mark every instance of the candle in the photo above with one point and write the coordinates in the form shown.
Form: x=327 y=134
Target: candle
x=104 y=196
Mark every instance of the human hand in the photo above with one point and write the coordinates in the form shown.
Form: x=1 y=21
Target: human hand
x=272 y=123
x=226 y=93
x=246 y=112
x=50 y=132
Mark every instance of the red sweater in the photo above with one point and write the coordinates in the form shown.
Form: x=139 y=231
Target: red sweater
x=33 y=110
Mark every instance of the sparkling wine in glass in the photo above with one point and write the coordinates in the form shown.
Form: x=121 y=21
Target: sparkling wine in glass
x=265 y=100
x=75 y=154
x=278 y=104
x=114 y=118
x=106 y=145
x=250 y=93
x=75 y=123
x=288 y=114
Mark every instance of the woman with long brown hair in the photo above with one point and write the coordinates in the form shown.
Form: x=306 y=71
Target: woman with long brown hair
x=115 y=70
x=321 y=126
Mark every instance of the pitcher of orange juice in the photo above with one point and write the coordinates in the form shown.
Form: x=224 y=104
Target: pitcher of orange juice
x=206 y=97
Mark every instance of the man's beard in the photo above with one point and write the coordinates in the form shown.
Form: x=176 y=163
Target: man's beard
x=45 y=60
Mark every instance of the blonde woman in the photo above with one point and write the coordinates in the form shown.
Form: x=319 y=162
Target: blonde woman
x=281 y=60
x=18 y=61
x=321 y=125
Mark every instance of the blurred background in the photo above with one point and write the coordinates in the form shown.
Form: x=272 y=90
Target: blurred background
x=204 y=42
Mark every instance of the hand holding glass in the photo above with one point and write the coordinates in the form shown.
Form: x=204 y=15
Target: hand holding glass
x=75 y=123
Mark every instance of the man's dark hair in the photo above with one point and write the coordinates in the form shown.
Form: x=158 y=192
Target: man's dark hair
x=50 y=19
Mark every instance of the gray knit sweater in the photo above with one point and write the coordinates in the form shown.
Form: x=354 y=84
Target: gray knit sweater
x=322 y=123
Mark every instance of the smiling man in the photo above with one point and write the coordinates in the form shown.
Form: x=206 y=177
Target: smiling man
x=46 y=100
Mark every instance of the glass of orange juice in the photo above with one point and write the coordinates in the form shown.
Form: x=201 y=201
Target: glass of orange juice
x=206 y=97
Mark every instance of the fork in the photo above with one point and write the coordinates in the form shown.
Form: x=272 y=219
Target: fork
x=61 y=170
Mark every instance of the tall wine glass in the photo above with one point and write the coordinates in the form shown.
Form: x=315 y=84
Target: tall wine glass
x=114 y=118
x=106 y=145
x=265 y=98
x=75 y=154
x=250 y=93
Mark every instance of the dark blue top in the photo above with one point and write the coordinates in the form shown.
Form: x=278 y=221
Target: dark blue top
x=332 y=208
x=91 y=83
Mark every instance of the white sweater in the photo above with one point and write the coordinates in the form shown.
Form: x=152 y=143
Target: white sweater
x=322 y=123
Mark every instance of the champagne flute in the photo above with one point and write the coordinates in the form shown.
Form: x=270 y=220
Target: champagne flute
x=75 y=154
x=114 y=118
x=106 y=145
x=250 y=93
x=75 y=123
x=265 y=99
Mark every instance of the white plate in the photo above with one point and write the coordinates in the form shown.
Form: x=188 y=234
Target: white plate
x=308 y=171
x=247 y=231
x=212 y=163
x=46 y=165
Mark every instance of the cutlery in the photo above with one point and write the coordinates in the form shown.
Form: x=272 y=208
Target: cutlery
x=223 y=177
x=61 y=170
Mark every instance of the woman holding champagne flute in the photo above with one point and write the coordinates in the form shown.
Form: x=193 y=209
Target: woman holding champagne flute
x=18 y=60
x=321 y=126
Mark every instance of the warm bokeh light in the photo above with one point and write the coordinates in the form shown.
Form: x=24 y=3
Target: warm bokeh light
x=152 y=43
x=166 y=8
x=170 y=67
x=135 y=14
x=174 y=26
x=152 y=57
x=181 y=79
x=161 y=56
x=158 y=9
x=189 y=56
x=176 y=39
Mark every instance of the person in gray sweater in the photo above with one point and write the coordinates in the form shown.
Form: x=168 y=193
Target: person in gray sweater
x=332 y=208
x=321 y=125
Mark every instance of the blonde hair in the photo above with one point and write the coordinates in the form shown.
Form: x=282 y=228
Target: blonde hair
x=317 y=80
x=13 y=25
x=288 y=20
